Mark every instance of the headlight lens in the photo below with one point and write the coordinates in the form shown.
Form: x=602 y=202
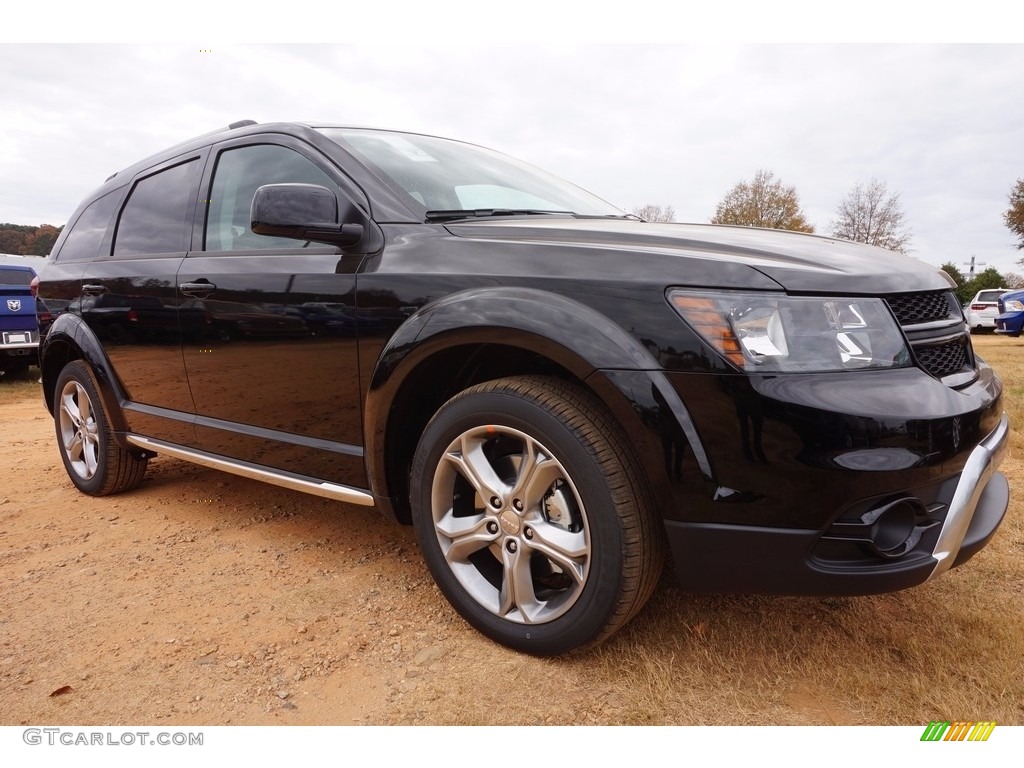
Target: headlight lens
x=771 y=332
x=1013 y=306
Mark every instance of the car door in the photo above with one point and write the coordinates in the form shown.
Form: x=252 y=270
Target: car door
x=129 y=296
x=270 y=346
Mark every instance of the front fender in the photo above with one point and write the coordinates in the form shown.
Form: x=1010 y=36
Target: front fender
x=585 y=339
x=563 y=331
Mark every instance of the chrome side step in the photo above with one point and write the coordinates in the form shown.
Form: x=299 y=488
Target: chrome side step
x=283 y=479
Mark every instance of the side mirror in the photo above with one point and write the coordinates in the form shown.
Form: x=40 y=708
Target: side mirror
x=305 y=212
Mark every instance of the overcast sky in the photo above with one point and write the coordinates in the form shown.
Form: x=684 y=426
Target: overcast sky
x=671 y=123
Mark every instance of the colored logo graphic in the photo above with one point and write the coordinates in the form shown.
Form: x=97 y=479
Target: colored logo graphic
x=939 y=730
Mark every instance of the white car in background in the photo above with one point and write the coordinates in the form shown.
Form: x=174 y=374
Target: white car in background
x=984 y=308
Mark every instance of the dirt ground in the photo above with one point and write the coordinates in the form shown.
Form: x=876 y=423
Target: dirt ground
x=203 y=598
x=206 y=599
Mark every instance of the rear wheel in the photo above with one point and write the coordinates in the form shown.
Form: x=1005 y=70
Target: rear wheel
x=94 y=461
x=531 y=516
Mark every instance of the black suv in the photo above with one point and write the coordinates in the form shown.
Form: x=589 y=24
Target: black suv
x=548 y=389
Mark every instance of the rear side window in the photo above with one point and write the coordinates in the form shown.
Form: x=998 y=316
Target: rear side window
x=83 y=241
x=240 y=172
x=158 y=215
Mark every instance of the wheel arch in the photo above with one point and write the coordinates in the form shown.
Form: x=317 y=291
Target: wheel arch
x=70 y=338
x=484 y=334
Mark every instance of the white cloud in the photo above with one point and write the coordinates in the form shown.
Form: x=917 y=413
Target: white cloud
x=675 y=124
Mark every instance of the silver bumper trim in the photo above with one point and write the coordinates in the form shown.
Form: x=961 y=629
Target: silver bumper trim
x=980 y=466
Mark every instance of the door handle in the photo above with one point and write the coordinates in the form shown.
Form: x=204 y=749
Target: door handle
x=199 y=290
x=94 y=290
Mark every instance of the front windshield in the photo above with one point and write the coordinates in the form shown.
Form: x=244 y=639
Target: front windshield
x=442 y=175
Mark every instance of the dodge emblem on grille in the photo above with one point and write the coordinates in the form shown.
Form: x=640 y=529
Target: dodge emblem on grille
x=14 y=304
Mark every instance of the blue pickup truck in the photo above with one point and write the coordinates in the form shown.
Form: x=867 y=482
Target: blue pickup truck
x=1011 y=313
x=19 y=325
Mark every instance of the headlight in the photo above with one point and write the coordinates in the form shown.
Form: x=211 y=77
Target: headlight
x=772 y=332
x=1013 y=306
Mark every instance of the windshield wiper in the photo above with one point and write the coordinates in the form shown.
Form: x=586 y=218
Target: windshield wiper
x=629 y=216
x=470 y=213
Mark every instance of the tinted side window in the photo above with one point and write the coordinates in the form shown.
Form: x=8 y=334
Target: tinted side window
x=83 y=241
x=158 y=215
x=240 y=172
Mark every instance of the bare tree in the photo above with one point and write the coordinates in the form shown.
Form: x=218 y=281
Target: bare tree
x=1013 y=217
x=1013 y=280
x=652 y=212
x=869 y=214
x=763 y=202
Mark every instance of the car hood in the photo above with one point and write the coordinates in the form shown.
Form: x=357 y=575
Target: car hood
x=728 y=256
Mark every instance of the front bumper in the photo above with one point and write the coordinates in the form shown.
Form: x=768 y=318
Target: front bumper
x=1010 y=323
x=978 y=474
x=714 y=557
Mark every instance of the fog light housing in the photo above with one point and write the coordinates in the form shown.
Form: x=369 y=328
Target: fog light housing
x=894 y=529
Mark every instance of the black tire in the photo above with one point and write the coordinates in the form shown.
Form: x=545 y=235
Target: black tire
x=94 y=461
x=532 y=516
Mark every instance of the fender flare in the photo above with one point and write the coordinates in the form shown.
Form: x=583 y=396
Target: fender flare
x=79 y=341
x=599 y=343
x=561 y=329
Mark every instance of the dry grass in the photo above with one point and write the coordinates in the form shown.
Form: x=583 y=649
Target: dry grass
x=19 y=387
x=952 y=649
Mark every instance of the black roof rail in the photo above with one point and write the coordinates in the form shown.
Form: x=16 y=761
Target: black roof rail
x=242 y=124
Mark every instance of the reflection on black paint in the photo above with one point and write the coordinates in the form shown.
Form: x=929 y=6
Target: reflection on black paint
x=673 y=442
x=750 y=414
x=236 y=320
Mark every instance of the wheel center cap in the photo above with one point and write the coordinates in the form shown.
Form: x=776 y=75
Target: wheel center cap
x=510 y=523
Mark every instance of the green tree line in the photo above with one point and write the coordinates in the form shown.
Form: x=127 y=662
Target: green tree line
x=967 y=288
x=24 y=240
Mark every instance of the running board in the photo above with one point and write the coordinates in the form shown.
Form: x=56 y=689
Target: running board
x=285 y=480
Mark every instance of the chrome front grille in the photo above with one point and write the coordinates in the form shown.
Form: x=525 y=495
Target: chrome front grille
x=934 y=325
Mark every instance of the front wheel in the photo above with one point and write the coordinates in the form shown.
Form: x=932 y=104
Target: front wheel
x=532 y=517
x=94 y=461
